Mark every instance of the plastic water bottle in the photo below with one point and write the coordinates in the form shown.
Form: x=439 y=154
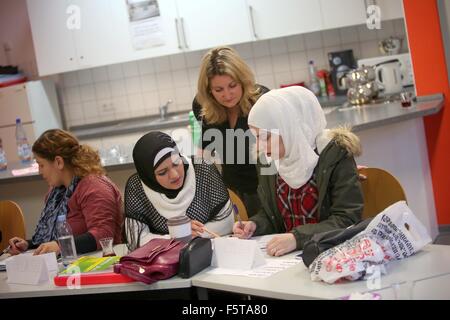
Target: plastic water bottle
x=314 y=85
x=65 y=240
x=3 y=161
x=23 y=147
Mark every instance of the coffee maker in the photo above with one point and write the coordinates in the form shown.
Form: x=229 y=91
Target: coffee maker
x=340 y=62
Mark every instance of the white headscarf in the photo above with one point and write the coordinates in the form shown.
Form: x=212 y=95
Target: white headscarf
x=297 y=114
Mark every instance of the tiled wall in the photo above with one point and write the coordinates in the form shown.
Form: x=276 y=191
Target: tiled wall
x=138 y=88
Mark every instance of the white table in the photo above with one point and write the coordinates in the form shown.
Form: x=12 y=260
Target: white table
x=295 y=282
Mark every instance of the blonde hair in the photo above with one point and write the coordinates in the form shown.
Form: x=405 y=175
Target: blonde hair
x=224 y=61
x=82 y=159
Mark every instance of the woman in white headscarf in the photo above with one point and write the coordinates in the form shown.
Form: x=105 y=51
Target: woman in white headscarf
x=312 y=183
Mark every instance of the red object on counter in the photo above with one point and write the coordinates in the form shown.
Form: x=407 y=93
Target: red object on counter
x=301 y=84
x=91 y=278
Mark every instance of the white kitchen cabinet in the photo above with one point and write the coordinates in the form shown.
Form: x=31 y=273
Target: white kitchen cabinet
x=272 y=19
x=390 y=9
x=342 y=13
x=71 y=34
x=205 y=23
x=35 y=103
x=54 y=45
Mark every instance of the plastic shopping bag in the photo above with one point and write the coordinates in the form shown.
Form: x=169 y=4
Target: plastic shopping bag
x=394 y=233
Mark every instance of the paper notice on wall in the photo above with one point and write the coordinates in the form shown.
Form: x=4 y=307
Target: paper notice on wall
x=145 y=23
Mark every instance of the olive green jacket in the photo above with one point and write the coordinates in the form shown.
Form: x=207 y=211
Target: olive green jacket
x=340 y=202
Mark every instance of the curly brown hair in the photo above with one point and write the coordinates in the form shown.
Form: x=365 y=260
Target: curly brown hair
x=224 y=61
x=81 y=158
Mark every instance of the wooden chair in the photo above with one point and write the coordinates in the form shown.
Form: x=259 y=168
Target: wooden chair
x=380 y=189
x=238 y=205
x=12 y=223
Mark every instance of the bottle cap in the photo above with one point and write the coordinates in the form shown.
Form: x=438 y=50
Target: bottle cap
x=17 y=120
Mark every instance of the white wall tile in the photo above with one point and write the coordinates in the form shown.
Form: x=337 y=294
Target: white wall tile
x=366 y=34
x=87 y=92
x=164 y=80
x=76 y=111
x=266 y=80
x=283 y=78
x=281 y=63
x=300 y=75
x=100 y=74
x=183 y=97
x=331 y=38
x=115 y=71
x=263 y=65
x=148 y=82
x=278 y=46
x=193 y=59
x=85 y=77
x=318 y=56
x=369 y=49
x=193 y=76
x=348 y=35
x=298 y=60
x=135 y=102
x=387 y=30
x=133 y=85
x=313 y=40
x=70 y=79
x=121 y=109
x=91 y=112
x=399 y=27
x=118 y=88
x=261 y=49
x=245 y=50
x=161 y=64
x=146 y=66
x=130 y=69
x=177 y=61
x=72 y=95
x=295 y=43
x=102 y=90
x=166 y=95
x=180 y=78
x=151 y=102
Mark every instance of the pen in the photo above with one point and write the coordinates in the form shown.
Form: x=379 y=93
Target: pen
x=241 y=225
x=6 y=250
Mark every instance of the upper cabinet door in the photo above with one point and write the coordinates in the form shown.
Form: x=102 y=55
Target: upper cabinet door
x=390 y=9
x=342 y=13
x=52 y=37
x=166 y=27
x=206 y=23
x=271 y=19
x=94 y=39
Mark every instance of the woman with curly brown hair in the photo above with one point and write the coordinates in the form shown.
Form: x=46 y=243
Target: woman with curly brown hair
x=79 y=190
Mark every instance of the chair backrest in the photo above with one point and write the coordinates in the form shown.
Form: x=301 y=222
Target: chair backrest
x=381 y=189
x=12 y=223
x=238 y=205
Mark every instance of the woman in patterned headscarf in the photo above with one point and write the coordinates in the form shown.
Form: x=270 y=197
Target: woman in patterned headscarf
x=167 y=185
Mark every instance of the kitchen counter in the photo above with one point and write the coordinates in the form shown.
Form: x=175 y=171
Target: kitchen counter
x=359 y=118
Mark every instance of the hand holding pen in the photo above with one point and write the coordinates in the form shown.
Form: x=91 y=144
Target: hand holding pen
x=243 y=229
x=16 y=245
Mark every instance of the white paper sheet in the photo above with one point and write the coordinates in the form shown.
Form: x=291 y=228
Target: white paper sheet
x=28 y=269
x=271 y=267
x=234 y=253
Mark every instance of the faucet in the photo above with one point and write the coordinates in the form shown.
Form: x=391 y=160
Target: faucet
x=163 y=109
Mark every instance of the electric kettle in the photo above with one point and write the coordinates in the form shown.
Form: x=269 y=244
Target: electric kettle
x=389 y=76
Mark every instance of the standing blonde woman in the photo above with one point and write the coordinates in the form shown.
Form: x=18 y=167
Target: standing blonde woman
x=226 y=93
x=79 y=190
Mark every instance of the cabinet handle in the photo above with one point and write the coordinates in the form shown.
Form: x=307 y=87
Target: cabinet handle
x=250 y=9
x=178 y=34
x=184 y=33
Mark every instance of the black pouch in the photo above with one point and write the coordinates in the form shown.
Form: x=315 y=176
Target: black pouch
x=195 y=257
x=323 y=241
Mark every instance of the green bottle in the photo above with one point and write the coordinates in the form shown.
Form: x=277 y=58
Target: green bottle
x=195 y=128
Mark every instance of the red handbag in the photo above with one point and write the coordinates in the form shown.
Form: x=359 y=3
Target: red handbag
x=158 y=259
